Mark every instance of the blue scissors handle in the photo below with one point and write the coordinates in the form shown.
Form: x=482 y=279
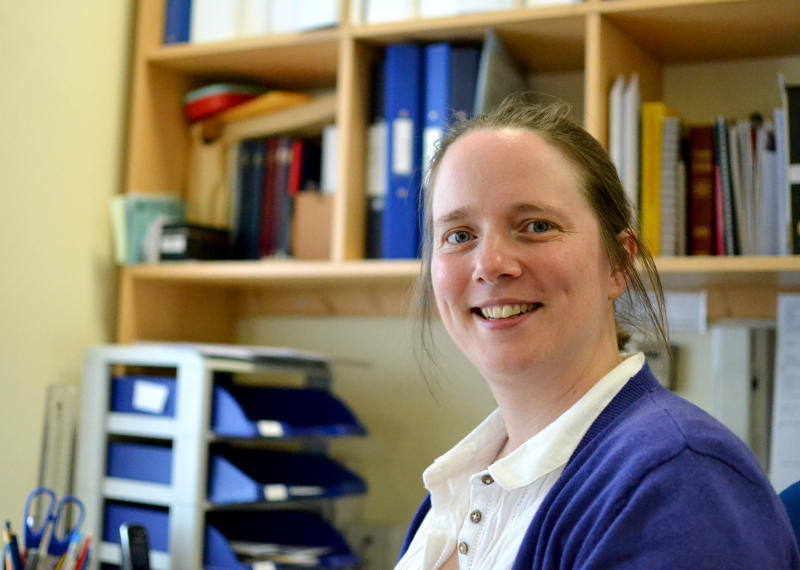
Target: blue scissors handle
x=54 y=515
x=34 y=533
x=58 y=544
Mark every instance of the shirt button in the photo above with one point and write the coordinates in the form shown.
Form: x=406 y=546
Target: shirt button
x=487 y=480
x=463 y=547
x=475 y=516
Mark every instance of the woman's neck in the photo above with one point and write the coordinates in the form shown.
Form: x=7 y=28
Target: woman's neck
x=529 y=404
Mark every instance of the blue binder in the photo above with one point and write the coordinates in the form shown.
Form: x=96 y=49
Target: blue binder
x=257 y=476
x=403 y=112
x=250 y=412
x=289 y=528
x=177 y=18
x=451 y=74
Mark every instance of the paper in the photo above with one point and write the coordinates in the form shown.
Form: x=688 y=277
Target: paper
x=785 y=451
x=276 y=492
x=402 y=146
x=150 y=397
x=686 y=311
x=270 y=428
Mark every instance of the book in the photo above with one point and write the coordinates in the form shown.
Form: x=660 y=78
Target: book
x=792 y=106
x=437 y=8
x=730 y=239
x=177 y=21
x=631 y=104
x=283 y=202
x=214 y=20
x=254 y=18
x=668 y=182
x=700 y=202
x=653 y=114
x=316 y=14
x=769 y=206
x=403 y=112
x=137 y=220
x=269 y=200
x=498 y=74
x=376 y=179
x=380 y=11
x=782 y=225
x=472 y=6
x=329 y=159
x=449 y=92
x=616 y=117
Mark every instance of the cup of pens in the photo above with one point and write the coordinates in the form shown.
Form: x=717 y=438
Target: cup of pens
x=52 y=534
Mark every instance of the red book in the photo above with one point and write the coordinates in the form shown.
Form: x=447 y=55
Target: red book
x=268 y=202
x=296 y=168
x=701 y=204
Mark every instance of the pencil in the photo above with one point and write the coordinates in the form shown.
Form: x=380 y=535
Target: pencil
x=13 y=547
x=84 y=554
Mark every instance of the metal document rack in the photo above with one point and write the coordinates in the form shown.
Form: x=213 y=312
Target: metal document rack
x=182 y=492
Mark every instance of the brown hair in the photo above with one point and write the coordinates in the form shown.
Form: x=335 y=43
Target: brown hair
x=603 y=192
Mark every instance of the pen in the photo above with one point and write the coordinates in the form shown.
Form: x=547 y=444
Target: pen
x=13 y=547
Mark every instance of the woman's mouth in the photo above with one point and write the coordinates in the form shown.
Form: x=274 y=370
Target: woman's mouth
x=505 y=311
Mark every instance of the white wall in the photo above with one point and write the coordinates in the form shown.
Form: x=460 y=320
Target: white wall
x=64 y=81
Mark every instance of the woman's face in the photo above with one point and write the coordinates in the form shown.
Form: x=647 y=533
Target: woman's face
x=521 y=280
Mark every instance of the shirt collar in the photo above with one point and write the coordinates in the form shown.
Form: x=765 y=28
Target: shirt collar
x=552 y=447
x=547 y=450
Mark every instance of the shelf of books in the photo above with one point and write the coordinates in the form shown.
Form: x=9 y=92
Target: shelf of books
x=271 y=153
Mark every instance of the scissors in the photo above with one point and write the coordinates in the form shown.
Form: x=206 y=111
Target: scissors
x=55 y=517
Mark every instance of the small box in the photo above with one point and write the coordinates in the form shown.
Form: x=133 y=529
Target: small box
x=190 y=242
x=311 y=227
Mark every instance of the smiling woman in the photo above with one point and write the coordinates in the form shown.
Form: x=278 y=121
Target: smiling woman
x=587 y=462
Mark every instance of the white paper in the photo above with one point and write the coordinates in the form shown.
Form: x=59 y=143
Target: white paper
x=402 y=146
x=686 y=311
x=430 y=136
x=785 y=449
x=149 y=397
x=306 y=490
x=276 y=492
x=270 y=428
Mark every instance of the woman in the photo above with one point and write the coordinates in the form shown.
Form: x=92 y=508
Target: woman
x=587 y=462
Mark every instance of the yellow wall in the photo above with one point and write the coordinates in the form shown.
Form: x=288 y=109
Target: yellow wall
x=65 y=70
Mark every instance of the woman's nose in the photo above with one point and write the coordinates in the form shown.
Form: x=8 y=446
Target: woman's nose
x=495 y=259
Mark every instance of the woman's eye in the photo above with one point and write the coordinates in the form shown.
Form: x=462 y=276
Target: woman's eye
x=459 y=237
x=539 y=227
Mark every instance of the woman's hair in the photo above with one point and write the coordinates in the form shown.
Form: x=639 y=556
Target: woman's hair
x=603 y=191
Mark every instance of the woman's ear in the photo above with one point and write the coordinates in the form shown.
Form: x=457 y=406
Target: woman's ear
x=619 y=281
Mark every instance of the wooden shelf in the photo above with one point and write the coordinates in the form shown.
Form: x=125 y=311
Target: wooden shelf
x=681 y=272
x=598 y=39
x=287 y=61
x=675 y=31
x=278 y=274
x=543 y=39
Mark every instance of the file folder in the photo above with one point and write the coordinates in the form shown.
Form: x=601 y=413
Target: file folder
x=252 y=476
x=403 y=112
x=248 y=412
x=141 y=462
x=288 y=528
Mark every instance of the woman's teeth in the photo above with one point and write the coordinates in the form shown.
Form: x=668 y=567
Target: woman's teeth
x=506 y=311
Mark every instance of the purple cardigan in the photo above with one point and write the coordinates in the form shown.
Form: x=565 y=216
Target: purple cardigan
x=656 y=483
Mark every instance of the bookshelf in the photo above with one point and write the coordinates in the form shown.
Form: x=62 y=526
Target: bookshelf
x=595 y=40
